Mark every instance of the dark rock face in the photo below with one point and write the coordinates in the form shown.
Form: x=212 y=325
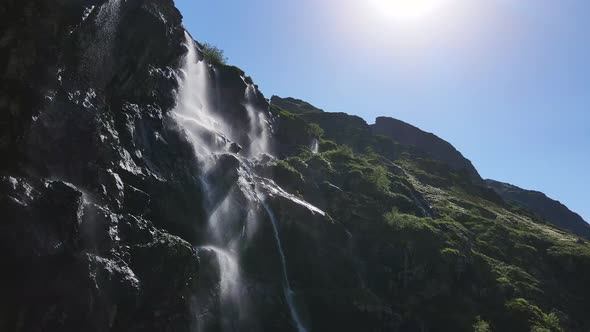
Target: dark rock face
x=85 y=88
x=343 y=128
x=436 y=147
x=70 y=264
x=551 y=210
x=32 y=33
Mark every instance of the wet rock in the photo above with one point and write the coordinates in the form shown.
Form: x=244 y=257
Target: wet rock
x=168 y=269
x=99 y=229
x=136 y=201
x=235 y=148
x=41 y=218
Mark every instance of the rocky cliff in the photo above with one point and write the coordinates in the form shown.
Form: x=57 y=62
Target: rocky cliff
x=293 y=105
x=437 y=148
x=143 y=189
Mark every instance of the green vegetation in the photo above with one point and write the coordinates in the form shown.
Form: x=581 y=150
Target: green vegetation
x=448 y=252
x=294 y=106
x=527 y=312
x=213 y=54
x=481 y=326
x=314 y=130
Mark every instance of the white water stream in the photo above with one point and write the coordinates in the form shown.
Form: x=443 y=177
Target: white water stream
x=315 y=146
x=230 y=221
x=289 y=294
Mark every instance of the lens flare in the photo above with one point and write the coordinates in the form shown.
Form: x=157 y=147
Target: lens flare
x=406 y=9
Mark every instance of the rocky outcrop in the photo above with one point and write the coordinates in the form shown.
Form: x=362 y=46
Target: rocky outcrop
x=295 y=106
x=546 y=208
x=70 y=264
x=353 y=131
x=437 y=148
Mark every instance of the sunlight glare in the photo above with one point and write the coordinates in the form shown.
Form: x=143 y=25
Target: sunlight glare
x=406 y=9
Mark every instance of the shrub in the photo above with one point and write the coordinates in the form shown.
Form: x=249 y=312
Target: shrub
x=327 y=145
x=213 y=54
x=405 y=222
x=282 y=164
x=314 y=130
x=552 y=322
x=481 y=325
x=378 y=176
x=527 y=312
x=342 y=153
x=297 y=163
x=450 y=252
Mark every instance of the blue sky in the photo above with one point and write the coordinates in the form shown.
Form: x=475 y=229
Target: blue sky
x=506 y=82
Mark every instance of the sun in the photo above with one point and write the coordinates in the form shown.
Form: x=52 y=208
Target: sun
x=406 y=9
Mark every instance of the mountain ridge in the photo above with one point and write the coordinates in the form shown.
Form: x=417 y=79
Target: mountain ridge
x=407 y=134
x=547 y=208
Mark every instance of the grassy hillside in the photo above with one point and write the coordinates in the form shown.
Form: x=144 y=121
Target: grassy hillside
x=437 y=250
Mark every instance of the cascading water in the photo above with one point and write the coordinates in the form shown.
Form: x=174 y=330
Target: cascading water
x=194 y=110
x=233 y=213
x=206 y=131
x=315 y=146
x=426 y=211
x=289 y=294
x=230 y=286
x=258 y=133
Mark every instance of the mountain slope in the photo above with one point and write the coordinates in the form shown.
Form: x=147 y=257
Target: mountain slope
x=504 y=265
x=438 y=148
x=295 y=106
x=552 y=211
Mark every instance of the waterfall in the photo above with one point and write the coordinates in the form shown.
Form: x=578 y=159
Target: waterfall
x=315 y=146
x=230 y=286
x=258 y=133
x=426 y=211
x=195 y=114
x=286 y=284
x=232 y=210
x=194 y=109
